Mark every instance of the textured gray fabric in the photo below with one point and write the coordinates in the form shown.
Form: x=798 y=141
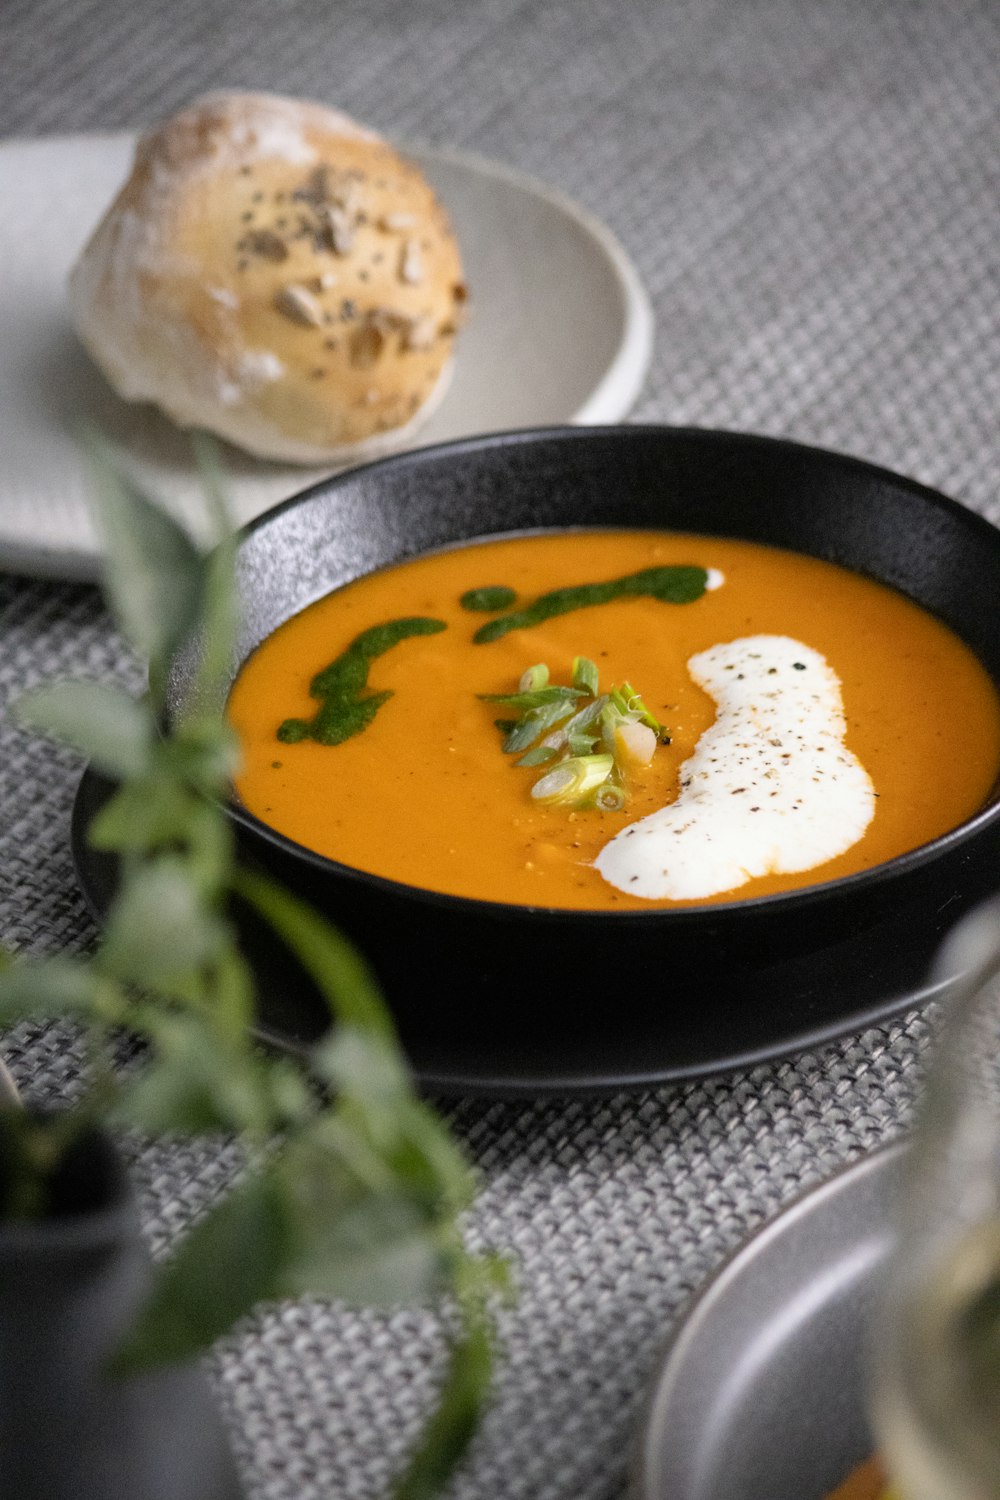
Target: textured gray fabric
x=809 y=192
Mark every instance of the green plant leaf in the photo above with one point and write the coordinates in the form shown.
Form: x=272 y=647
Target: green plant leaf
x=213 y=485
x=194 y=1081
x=217 y=632
x=209 y=849
x=231 y=1260
x=143 y=815
x=429 y=1161
x=50 y=987
x=375 y=1259
x=232 y=1004
x=341 y=973
x=356 y=1063
x=292 y=1099
x=383 y=1110
x=412 y=1147
x=217 y=636
x=116 y=731
x=154 y=573
x=204 y=752
x=159 y=930
x=459 y=1410
x=353 y=1242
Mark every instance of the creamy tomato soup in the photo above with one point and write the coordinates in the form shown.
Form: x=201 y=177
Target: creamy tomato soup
x=419 y=789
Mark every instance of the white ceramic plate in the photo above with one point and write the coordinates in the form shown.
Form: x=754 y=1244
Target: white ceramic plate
x=561 y=332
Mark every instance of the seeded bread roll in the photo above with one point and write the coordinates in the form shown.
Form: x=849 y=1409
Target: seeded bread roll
x=278 y=274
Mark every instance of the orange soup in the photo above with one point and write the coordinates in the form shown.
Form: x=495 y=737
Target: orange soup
x=424 y=793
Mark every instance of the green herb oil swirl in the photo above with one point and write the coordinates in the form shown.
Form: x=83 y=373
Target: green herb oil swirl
x=346 y=708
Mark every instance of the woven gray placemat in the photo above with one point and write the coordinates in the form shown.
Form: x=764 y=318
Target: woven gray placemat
x=809 y=194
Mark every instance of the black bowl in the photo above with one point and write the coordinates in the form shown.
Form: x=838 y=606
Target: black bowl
x=499 y=970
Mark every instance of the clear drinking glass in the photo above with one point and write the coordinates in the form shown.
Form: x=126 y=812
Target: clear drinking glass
x=936 y=1396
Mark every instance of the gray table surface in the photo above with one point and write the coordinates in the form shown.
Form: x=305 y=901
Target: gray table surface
x=809 y=191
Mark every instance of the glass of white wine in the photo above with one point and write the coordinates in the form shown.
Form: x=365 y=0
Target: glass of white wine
x=936 y=1392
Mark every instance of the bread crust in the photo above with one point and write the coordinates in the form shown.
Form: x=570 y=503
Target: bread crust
x=278 y=274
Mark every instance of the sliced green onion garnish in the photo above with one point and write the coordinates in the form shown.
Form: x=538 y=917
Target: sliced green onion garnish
x=536 y=722
x=539 y=756
x=586 y=716
x=534 y=678
x=581 y=744
x=610 y=797
x=573 y=780
x=585 y=745
x=535 y=698
x=610 y=718
x=637 y=707
x=585 y=675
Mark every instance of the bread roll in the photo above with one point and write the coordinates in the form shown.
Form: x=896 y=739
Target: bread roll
x=278 y=274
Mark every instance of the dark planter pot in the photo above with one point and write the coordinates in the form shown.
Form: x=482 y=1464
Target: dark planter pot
x=68 y=1288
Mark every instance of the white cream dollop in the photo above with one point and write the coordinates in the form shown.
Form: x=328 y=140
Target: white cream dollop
x=771 y=787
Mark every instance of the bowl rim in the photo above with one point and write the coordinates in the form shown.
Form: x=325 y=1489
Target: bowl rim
x=800 y=897
x=572 y=434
